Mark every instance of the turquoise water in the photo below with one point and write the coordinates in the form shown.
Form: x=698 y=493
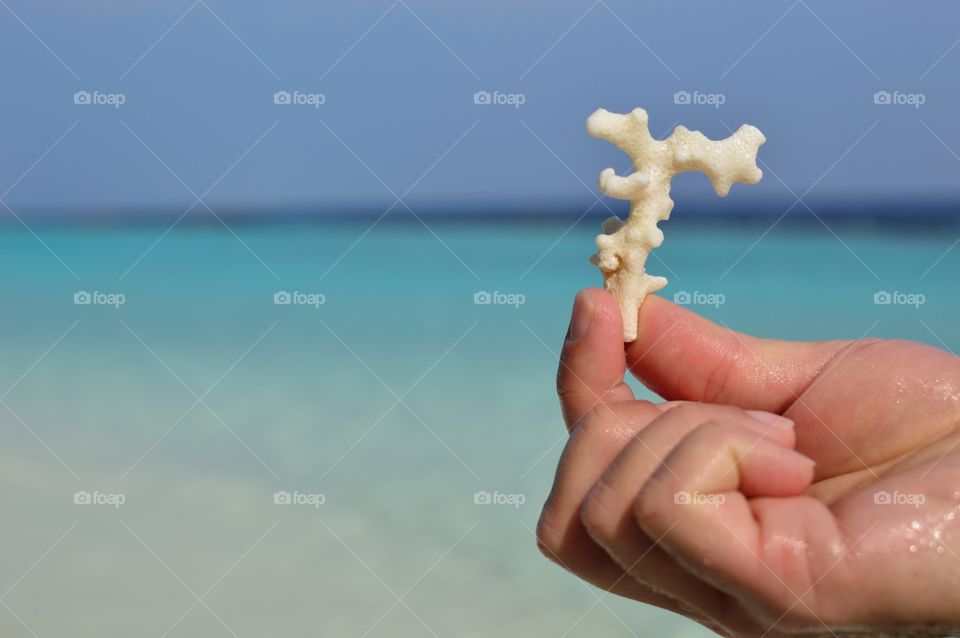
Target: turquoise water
x=397 y=399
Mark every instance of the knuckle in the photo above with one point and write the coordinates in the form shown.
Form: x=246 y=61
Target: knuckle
x=593 y=426
x=613 y=423
x=562 y=383
x=653 y=508
x=702 y=413
x=710 y=436
x=567 y=381
x=597 y=511
x=712 y=431
x=549 y=538
x=688 y=411
x=604 y=429
x=587 y=425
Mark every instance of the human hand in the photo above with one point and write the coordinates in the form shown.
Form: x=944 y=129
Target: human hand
x=764 y=543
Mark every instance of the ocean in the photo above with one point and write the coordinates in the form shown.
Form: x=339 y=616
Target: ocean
x=292 y=429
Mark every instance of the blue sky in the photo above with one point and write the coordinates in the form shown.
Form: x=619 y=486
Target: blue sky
x=198 y=119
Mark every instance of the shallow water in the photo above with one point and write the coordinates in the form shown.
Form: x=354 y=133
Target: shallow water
x=397 y=399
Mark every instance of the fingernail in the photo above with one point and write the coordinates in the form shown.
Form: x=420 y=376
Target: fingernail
x=771 y=419
x=582 y=315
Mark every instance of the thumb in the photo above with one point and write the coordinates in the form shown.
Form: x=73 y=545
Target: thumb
x=682 y=356
x=592 y=364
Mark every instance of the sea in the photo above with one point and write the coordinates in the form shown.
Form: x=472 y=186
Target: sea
x=347 y=427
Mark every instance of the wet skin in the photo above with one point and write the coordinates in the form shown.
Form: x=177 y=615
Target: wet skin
x=782 y=487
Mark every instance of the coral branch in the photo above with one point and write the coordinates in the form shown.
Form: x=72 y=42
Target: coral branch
x=624 y=246
x=630 y=187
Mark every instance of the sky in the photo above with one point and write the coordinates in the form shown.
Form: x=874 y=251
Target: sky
x=183 y=110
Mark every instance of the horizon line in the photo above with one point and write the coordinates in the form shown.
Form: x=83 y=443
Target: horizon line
x=846 y=209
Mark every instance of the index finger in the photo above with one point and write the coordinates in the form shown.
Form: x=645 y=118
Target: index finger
x=683 y=356
x=593 y=362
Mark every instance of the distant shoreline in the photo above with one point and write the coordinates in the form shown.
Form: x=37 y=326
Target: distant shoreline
x=918 y=214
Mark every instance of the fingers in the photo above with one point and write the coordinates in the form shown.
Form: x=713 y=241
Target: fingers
x=608 y=510
x=560 y=534
x=682 y=356
x=727 y=504
x=592 y=364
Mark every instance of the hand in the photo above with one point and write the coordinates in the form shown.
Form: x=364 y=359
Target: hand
x=720 y=514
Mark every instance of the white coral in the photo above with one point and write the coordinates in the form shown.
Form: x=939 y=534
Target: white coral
x=624 y=246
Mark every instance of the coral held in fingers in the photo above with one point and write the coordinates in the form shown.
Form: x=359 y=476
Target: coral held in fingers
x=625 y=246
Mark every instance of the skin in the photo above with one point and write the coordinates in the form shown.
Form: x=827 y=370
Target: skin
x=782 y=488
